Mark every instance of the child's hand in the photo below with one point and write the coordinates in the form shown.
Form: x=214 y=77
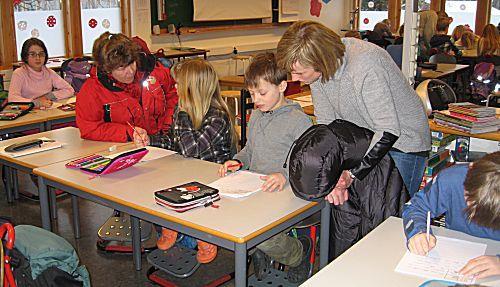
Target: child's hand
x=42 y=103
x=230 y=165
x=418 y=243
x=141 y=138
x=273 y=182
x=482 y=266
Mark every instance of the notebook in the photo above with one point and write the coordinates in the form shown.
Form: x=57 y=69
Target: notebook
x=33 y=146
x=239 y=184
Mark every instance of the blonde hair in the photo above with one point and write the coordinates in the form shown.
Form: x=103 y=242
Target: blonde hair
x=312 y=45
x=198 y=89
x=468 y=40
x=458 y=32
x=489 y=43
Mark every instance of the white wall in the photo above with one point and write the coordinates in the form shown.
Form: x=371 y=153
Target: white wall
x=221 y=43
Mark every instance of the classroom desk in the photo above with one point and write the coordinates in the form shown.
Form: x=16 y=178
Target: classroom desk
x=232 y=81
x=493 y=136
x=237 y=225
x=174 y=53
x=443 y=70
x=371 y=261
x=73 y=147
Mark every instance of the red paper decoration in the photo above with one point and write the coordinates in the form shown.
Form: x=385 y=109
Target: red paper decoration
x=92 y=23
x=366 y=21
x=51 y=21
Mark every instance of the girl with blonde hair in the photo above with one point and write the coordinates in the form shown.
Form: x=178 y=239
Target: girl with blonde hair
x=489 y=44
x=202 y=128
x=457 y=33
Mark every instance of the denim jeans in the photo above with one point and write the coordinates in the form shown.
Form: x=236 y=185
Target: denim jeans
x=411 y=167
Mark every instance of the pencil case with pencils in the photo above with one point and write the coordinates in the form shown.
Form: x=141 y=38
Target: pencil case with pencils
x=187 y=196
x=99 y=165
x=14 y=110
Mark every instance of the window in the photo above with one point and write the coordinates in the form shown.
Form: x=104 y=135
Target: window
x=99 y=16
x=371 y=13
x=495 y=12
x=41 y=19
x=462 y=12
x=422 y=5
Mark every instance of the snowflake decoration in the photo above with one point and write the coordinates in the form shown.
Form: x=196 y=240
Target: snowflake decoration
x=106 y=24
x=92 y=23
x=35 y=33
x=22 y=25
x=51 y=21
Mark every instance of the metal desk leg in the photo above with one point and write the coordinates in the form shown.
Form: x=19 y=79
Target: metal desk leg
x=136 y=241
x=53 y=202
x=15 y=184
x=240 y=265
x=44 y=204
x=8 y=183
x=324 y=238
x=76 y=216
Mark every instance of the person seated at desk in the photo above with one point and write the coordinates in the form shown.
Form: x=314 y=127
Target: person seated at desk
x=489 y=43
x=202 y=128
x=441 y=41
x=33 y=81
x=379 y=35
x=469 y=195
x=127 y=91
x=468 y=41
x=274 y=125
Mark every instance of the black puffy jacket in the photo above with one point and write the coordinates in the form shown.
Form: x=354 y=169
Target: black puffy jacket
x=316 y=162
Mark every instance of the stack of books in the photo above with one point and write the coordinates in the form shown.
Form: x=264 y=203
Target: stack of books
x=469 y=118
x=439 y=157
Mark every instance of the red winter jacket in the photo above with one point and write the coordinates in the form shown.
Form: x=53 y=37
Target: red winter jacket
x=104 y=107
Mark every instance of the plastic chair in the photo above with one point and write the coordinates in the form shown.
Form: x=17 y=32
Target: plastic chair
x=396 y=53
x=435 y=95
x=246 y=106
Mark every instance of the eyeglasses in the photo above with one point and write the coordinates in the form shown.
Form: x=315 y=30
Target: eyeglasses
x=35 y=54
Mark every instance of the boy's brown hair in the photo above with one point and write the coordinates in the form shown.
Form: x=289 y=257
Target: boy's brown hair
x=482 y=191
x=352 y=34
x=312 y=45
x=442 y=25
x=264 y=66
x=112 y=51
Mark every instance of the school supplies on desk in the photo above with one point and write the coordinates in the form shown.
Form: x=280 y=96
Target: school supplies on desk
x=187 y=196
x=100 y=165
x=239 y=184
x=22 y=148
x=14 y=110
x=443 y=261
x=67 y=107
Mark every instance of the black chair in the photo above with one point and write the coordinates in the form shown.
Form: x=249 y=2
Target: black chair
x=246 y=106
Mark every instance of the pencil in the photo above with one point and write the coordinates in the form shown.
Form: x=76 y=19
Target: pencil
x=142 y=140
x=235 y=165
x=428 y=226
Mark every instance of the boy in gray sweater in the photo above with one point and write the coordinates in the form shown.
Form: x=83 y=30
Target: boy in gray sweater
x=274 y=125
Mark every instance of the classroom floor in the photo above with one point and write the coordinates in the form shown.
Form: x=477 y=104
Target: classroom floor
x=105 y=269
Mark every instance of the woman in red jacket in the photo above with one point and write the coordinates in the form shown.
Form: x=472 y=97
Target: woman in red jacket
x=126 y=90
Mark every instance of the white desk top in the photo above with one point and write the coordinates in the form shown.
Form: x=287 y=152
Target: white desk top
x=371 y=262
x=237 y=220
x=73 y=147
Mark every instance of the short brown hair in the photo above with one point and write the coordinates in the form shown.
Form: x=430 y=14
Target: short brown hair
x=264 y=66
x=482 y=190
x=442 y=24
x=352 y=34
x=112 y=51
x=312 y=45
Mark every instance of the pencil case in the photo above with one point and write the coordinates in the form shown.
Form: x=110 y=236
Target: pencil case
x=187 y=196
x=99 y=165
x=14 y=110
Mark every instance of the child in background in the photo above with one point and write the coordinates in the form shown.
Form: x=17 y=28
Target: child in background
x=33 y=81
x=456 y=35
x=202 y=128
x=489 y=44
x=274 y=125
x=470 y=197
x=352 y=34
x=468 y=41
x=441 y=41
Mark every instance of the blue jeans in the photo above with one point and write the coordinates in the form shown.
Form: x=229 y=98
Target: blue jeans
x=411 y=167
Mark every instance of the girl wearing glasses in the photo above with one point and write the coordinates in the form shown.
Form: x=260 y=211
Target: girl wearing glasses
x=127 y=91
x=34 y=82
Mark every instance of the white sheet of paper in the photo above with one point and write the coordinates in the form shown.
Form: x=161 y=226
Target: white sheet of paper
x=443 y=261
x=156 y=153
x=44 y=147
x=239 y=184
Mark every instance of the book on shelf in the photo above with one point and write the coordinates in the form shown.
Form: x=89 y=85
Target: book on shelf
x=432 y=170
x=444 y=141
x=439 y=135
x=438 y=156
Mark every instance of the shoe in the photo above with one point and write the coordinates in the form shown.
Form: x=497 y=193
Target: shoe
x=167 y=239
x=261 y=264
x=206 y=252
x=301 y=272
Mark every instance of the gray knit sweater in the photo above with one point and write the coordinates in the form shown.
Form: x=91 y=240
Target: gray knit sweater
x=271 y=134
x=370 y=91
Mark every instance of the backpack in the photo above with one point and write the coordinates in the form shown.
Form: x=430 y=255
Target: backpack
x=483 y=80
x=76 y=71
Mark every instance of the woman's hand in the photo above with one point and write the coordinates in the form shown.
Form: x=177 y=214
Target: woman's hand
x=419 y=245
x=141 y=138
x=42 y=103
x=339 y=194
x=273 y=182
x=230 y=165
x=482 y=266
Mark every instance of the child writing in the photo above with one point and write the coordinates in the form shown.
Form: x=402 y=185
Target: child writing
x=470 y=197
x=202 y=128
x=489 y=43
x=274 y=124
x=34 y=82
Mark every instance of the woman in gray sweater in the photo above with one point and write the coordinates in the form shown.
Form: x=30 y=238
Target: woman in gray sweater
x=359 y=82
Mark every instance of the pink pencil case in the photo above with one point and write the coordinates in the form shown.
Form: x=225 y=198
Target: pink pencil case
x=99 y=165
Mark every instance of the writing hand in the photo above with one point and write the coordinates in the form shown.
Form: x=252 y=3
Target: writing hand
x=419 y=245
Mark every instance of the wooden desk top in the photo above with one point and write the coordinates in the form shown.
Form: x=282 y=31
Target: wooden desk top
x=73 y=147
x=54 y=113
x=32 y=117
x=174 y=53
x=232 y=81
x=371 y=261
x=237 y=220
x=442 y=70
x=487 y=136
x=471 y=53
